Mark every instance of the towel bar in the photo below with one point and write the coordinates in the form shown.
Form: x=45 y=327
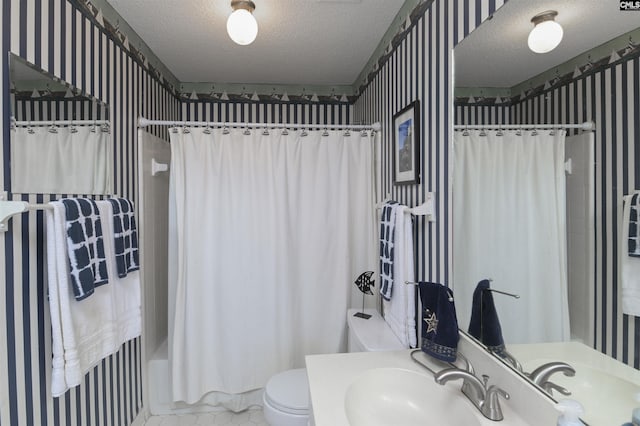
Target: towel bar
x=425 y=209
x=10 y=208
x=515 y=296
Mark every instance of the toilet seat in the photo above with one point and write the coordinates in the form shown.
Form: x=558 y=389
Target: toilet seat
x=289 y=392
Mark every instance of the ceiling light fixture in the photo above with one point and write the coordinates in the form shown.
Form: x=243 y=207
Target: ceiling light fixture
x=546 y=33
x=241 y=25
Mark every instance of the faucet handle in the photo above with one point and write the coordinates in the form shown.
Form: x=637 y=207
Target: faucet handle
x=495 y=390
x=491 y=406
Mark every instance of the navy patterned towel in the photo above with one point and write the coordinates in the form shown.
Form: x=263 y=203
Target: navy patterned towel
x=634 y=238
x=87 y=263
x=439 y=322
x=125 y=236
x=387 y=235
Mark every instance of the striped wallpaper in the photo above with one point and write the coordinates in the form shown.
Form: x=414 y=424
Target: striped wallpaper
x=268 y=112
x=45 y=110
x=481 y=114
x=420 y=68
x=56 y=36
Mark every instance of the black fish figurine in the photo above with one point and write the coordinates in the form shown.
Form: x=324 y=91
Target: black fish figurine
x=364 y=282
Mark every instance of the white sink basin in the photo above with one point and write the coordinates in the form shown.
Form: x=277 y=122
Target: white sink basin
x=394 y=396
x=589 y=386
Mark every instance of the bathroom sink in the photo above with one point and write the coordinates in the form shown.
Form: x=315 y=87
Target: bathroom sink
x=394 y=396
x=589 y=386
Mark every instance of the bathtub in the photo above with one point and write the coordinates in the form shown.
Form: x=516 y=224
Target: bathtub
x=159 y=393
x=159 y=388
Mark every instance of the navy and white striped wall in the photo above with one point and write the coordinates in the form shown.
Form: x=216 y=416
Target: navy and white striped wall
x=46 y=110
x=419 y=68
x=56 y=36
x=611 y=98
x=268 y=112
x=482 y=114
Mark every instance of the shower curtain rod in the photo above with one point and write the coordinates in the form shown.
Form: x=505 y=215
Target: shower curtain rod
x=59 y=122
x=143 y=122
x=587 y=125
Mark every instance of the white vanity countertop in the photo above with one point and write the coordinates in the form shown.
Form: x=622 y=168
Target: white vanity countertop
x=331 y=375
x=574 y=352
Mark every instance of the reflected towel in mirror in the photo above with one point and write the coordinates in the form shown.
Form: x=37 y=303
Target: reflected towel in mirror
x=439 y=322
x=485 y=324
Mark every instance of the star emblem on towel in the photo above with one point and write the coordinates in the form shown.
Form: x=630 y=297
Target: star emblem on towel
x=432 y=322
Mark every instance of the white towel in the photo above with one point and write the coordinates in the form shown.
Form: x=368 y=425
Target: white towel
x=630 y=267
x=127 y=300
x=84 y=332
x=400 y=312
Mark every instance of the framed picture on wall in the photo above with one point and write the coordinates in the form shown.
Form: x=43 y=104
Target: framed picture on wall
x=406 y=145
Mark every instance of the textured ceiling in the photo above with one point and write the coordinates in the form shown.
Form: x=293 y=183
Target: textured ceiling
x=314 y=42
x=496 y=53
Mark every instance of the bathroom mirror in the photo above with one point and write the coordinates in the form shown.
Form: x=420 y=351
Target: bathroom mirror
x=498 y=80
x=60 y=136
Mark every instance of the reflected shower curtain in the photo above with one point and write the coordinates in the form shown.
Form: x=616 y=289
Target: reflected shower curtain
x=268 y=233
x=509 y=224
x=61 y=160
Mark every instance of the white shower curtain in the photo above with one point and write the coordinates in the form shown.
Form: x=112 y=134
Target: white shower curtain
x=270 y=232
x=509 y=225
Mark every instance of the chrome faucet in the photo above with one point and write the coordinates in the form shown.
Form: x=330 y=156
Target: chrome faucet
x=485 y=399
x=540 y=376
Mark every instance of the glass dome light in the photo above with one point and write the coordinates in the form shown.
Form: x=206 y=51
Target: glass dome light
x=242 y=27
x=547 y=34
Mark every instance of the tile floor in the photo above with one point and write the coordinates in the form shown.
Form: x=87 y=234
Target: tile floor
x=252 y=417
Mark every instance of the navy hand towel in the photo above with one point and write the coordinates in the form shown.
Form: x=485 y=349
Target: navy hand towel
x=125 y=236
x=87 y=264
x=634 y=238
x=484 y=324
x=439 y=322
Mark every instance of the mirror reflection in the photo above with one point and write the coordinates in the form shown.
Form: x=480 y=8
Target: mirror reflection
x=58 y=130
x=537 y=211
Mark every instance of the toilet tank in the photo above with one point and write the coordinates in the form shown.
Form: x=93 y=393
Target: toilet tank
x=370 y=335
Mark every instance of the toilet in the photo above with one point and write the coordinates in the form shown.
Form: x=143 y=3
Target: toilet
x=286 y=396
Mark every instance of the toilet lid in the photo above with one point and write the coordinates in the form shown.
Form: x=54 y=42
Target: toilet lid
x=289 y=391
